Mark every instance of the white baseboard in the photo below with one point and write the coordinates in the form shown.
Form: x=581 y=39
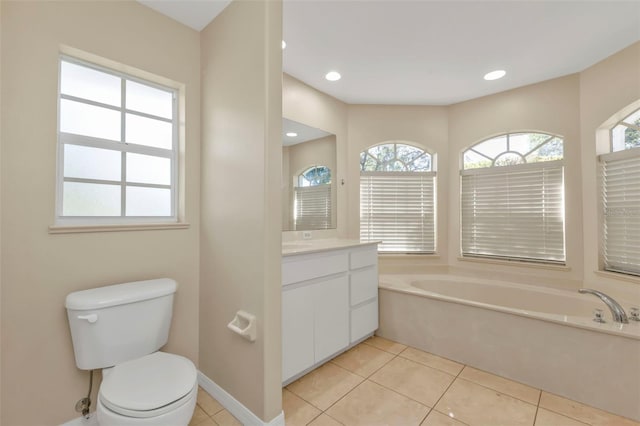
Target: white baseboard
x=81 y=421
x=239 y=411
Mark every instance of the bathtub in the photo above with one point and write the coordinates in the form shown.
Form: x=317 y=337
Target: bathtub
x=540 y=336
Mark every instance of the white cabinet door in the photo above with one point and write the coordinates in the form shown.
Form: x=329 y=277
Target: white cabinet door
x=331 y=323
x=297 y=330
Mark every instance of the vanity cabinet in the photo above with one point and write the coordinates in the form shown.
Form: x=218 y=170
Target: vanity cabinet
x=329 y=303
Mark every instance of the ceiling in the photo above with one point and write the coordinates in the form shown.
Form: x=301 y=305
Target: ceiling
x=436 y=52
x=303 y=132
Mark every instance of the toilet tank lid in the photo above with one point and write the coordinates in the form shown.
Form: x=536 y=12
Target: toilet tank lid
x=120 y=294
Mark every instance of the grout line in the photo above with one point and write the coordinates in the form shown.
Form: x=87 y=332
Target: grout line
x=535 y=417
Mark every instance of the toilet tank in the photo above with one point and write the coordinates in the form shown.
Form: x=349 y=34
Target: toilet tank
x=119 y=322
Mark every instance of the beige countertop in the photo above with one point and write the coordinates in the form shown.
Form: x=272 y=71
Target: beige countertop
x=290 y=248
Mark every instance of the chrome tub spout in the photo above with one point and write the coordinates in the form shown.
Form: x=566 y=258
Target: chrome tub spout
x=617 y=311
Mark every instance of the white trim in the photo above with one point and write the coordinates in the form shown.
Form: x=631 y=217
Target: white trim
x=81 y=421
x=239 y=411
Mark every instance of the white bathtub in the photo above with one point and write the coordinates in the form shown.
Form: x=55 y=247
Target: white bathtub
x=539 y=336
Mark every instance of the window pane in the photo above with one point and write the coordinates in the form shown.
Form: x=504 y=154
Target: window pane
x=148 y=201
x=148 y=169
x=149 y=132
x=91 y=163
x=493 y=147
x=525 y=142
x=550 y=151
x=633 y=118
x=150 y=100
x=87 y=83
x=90 y=199
x=473 y=160
x=89 y=120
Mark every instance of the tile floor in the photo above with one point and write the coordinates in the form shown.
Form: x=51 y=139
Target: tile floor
x=380 y=382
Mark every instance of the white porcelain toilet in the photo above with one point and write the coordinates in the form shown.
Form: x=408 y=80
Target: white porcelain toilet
x=120 y=328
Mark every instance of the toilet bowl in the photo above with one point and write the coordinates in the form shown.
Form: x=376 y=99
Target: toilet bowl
x=157 y=389
x=120 y=329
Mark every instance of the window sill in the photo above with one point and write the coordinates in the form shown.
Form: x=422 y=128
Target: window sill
x=618 y=276
x=409 y=255
x=56 y=229
x=517 y=263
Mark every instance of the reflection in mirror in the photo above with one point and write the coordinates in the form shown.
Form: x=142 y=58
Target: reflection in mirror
x=308 y=178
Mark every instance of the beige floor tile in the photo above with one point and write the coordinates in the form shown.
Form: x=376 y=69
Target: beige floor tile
x=476 y=405
x=509 y=387
x=208 y=403
x=296 y=410
x=385 y=345
x=208 y=422
x=325 y=385
x=438 y=419
x=416 y=381
x=371 y=405
x=431 y=360
x=549 y=418
x=582 y=412
x=225 y=418
x=198 y=416
x=324 y=420
x=363 y=360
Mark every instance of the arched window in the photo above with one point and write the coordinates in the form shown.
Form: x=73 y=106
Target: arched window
x=312 y=199
x=512 y=198
x=621 y=198
x=315 y=175
x=397 y=198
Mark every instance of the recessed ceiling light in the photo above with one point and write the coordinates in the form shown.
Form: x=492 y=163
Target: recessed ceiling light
x=333 y=76
x=284 y=44
x=292 y=134
x=494 y=75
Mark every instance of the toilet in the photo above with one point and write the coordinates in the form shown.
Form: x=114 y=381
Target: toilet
x=120 y=329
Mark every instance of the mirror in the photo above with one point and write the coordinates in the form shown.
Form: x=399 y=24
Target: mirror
x=309 y=178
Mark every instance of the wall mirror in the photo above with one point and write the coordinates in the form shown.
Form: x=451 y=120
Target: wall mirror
x=309 y=178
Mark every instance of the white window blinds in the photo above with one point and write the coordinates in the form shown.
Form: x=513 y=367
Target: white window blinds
x=398 y=209
x=514 y=212
x=313 y=207
x=621 y=199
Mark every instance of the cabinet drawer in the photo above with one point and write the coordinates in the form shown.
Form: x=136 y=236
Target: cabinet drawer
x=301 y=268
x=364 y=285
x=363 y=257
x=364 y=320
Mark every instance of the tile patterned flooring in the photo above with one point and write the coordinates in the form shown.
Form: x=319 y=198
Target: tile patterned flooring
x=380 y=382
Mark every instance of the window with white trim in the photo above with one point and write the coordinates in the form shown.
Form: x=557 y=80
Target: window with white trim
x=620 y=172
x=512 y=198
x=117 y=148
x=397 y=198
x=312 y=199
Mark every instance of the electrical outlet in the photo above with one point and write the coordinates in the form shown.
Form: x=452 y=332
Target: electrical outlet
x=306 y=235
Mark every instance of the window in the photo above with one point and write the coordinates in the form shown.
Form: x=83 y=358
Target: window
x=312 y=199
x=397 y=198
x=117 y=147
x=512 y=198
x=621 y=197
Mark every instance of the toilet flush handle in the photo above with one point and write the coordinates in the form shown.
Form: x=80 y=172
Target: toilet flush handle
x=90 y=318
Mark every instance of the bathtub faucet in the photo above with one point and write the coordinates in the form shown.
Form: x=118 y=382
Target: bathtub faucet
x=616 y=310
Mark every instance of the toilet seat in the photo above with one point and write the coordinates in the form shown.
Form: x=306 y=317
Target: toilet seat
x=149 y=386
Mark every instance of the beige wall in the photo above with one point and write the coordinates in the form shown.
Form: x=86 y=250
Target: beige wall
x=40 y=382
x=317 y=152
x=241 y=220
x=309 y=106
x=609 y=91
x=552 y=107
x=423 y=126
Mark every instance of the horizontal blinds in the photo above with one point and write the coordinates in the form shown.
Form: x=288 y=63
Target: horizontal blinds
x=514 y=212
x=398 y=209
x=313 y=207
x=621 y=197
